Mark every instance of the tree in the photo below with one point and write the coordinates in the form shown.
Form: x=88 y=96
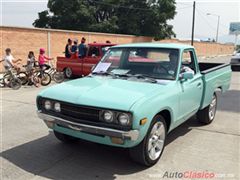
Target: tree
x=137 y=17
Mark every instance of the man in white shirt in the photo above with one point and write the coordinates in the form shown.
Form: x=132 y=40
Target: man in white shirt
x=9 y=61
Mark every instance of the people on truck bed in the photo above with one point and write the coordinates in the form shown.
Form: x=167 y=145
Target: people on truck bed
x=82 y=48
x=68 y=49
x=74 y=48
x=9 y=62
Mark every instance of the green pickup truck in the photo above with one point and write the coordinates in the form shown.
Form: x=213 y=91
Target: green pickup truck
x=134 y=97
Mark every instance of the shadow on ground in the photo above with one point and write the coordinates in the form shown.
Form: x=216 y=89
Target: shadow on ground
x=229 y=101
x=49 y=158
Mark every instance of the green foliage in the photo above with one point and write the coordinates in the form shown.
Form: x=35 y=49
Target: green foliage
x=137 y=17
x=237 y=47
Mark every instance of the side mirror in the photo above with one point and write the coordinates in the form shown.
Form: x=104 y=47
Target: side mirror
x=186 y=75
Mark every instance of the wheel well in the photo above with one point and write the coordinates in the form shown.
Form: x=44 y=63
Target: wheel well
x=219 y=89
x=167 y=116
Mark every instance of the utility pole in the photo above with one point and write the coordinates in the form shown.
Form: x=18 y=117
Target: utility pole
x=217 y=28
x=193 y=22
x=218 y=16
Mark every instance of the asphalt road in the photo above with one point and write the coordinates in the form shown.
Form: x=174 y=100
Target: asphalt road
x=30 y=151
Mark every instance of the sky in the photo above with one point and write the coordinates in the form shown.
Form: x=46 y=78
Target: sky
x=22 y=13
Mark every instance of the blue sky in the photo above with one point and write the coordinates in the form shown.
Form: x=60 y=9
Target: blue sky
x=23 y=12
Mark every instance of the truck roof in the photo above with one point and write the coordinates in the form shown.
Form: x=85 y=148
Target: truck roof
x=157 y=45
x=101 y=44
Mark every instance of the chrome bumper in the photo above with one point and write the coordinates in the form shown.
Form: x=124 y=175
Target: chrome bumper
x=126 y=135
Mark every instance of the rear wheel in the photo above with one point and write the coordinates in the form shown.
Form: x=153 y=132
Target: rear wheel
x=207 y=115
x=64 y=138
x=149 y=151
x=58 y=77
x=15 y=83
x=68 y=72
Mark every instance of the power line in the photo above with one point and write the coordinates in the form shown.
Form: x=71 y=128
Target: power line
x=205 y=12
x=186 y=7
x=206 y=21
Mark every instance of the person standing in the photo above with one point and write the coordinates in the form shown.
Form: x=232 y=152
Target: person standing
x=82 y=48
x=68 y=49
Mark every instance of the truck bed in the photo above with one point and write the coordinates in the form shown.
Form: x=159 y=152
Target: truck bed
x=215 y=76
x=209 y=67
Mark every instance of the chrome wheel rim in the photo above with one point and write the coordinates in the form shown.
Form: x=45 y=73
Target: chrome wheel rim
x=212 y=108
x=156 y=141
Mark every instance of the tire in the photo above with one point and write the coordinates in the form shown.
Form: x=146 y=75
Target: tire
x=68 y=73
x=207 y=115
x=23 y=77
x=64 y=138
x=2 y=84
x=58 y=77
x=36 y=80
x=142 y=153
x=6 y=79
x=46 y=79
x=15 y=83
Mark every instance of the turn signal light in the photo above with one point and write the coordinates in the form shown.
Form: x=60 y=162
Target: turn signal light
x=143 y=121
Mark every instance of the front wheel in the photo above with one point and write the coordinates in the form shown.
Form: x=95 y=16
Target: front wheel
x=207 y=115
x=45 y=79
x=23 y=77
x=64 y=138
x=149 y=151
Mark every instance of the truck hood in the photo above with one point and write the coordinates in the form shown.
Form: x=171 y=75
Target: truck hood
x=101 y=92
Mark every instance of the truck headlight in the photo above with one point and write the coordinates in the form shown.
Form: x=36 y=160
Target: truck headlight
x=47 y=105
x=124 y=119
x=57 y=107
x=108 y=116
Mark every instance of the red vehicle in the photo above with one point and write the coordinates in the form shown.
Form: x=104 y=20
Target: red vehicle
x=82 y=66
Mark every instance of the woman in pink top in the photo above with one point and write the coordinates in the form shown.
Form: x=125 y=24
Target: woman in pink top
x=42 y=59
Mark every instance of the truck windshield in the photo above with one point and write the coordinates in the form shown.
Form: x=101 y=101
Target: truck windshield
x=157 y=63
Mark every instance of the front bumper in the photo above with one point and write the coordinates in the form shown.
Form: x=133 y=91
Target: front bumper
x=125 y=135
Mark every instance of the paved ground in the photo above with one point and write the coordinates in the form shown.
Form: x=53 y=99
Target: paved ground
x=29 y=151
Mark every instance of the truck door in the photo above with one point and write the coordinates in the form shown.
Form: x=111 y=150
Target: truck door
x=92 y=58
x=191 y=89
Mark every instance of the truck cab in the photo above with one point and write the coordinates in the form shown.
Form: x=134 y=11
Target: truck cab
x=75 y=66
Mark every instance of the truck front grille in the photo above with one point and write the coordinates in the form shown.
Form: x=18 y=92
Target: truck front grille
x=81 y=113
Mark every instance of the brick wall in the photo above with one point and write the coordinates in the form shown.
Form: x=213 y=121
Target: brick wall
x=23 y=40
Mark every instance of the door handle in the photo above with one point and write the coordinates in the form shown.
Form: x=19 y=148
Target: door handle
x=199 y=85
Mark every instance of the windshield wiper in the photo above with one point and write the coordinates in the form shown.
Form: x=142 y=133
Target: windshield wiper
x=140 y=76
x=146 y=77
x=103 y=73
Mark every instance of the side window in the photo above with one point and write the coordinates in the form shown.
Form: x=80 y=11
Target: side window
x=93 y=51
x=188 y=60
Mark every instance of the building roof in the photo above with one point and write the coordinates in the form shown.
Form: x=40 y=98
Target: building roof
x=157 y=45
